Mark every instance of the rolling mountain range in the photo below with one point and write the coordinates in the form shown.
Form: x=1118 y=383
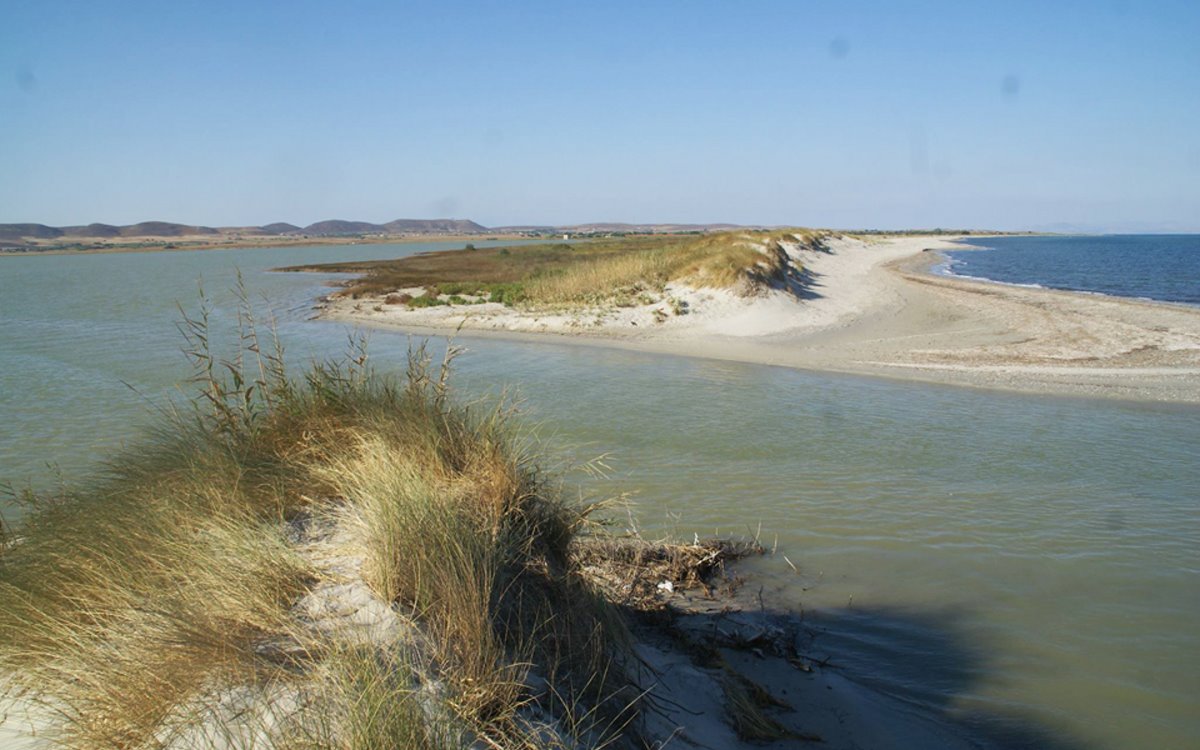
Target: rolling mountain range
x=33 y=233
x=329 y=228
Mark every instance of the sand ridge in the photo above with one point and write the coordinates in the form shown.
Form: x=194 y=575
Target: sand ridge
x=875 y=308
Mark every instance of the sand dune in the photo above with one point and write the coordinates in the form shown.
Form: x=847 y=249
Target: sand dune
x=874 y=308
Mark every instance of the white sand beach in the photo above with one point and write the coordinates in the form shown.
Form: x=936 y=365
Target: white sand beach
x=875 y=308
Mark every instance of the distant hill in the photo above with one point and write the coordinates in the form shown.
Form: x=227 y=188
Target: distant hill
x=29 y=234
x=399 y=226
x=36 y=231
x=329 y=228
x=280 y=227
x=145 y=229
x=530 y=228
x=435 y=226
x=93 y=230
x=338 y=226
x=164 y=229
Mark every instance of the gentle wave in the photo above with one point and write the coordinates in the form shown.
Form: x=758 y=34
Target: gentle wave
x=1155 y=268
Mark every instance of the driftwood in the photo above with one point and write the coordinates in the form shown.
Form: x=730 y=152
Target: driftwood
x=643 y=575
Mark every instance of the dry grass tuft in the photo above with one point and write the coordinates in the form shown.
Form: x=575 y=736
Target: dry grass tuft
x=743 y=261
x=745 y=701
x=174 y=577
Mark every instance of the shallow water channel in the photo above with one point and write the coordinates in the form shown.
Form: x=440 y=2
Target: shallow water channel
x=1028 y=567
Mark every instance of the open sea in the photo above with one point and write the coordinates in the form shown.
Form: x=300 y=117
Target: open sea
x=1024 y=569
x=1163 y=267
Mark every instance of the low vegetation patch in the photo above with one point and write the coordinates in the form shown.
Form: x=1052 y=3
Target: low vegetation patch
x=620 y=270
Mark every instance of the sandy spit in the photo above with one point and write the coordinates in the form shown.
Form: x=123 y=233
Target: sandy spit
x=875 y=308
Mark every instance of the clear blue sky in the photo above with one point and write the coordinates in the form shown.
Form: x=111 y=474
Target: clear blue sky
x=877 y=114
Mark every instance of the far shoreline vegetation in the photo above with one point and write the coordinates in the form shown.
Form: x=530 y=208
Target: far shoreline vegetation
x=153 y=236
x=623 y=271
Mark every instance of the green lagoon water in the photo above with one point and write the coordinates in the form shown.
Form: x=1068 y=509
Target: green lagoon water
x=1026 y=568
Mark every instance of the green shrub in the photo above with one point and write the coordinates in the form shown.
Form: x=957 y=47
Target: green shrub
x=427 y=300
x=506 y=294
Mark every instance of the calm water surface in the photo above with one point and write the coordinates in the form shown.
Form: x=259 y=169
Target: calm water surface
x=1027 y=567
x=1150 y=266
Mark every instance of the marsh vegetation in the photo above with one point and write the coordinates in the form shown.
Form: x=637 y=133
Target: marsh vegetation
x=615 y=270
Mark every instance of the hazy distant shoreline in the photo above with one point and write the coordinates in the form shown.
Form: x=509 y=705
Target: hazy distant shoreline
x=156 y=236
x=162 y=244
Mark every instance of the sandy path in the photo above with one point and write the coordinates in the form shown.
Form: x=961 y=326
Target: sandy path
x=875 y=309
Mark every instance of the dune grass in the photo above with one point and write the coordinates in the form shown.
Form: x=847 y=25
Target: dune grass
x=590 y=272
x=136 y=603
x=742 y=261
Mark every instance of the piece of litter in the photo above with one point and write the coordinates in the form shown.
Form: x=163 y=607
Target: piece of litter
x=666 y=586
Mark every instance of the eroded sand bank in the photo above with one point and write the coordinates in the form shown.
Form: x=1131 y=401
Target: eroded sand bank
x=875 y=308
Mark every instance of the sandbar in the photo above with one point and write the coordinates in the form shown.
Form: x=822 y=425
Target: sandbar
x=875 y=307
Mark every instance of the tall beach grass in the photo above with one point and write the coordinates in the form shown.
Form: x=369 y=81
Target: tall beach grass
x=742 y=261
x=138 y=602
